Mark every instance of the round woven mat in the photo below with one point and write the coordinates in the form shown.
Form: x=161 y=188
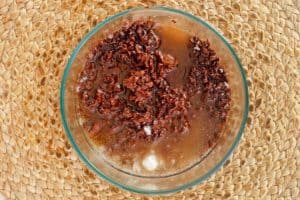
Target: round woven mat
x=36 y=40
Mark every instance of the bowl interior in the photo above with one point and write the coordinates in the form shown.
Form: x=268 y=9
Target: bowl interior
x=234 y=126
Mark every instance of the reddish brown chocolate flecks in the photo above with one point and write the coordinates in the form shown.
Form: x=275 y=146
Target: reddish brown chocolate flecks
x=208 y=78
x=124 y=83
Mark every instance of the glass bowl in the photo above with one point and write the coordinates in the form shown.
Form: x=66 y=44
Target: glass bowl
x=201 y=170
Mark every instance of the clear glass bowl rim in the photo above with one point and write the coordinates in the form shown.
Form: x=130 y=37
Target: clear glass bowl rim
x=98 y=171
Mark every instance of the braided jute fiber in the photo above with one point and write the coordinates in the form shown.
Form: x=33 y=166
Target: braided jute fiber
x=36 y=40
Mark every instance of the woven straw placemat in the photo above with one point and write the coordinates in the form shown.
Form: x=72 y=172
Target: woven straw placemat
x=36 y=40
